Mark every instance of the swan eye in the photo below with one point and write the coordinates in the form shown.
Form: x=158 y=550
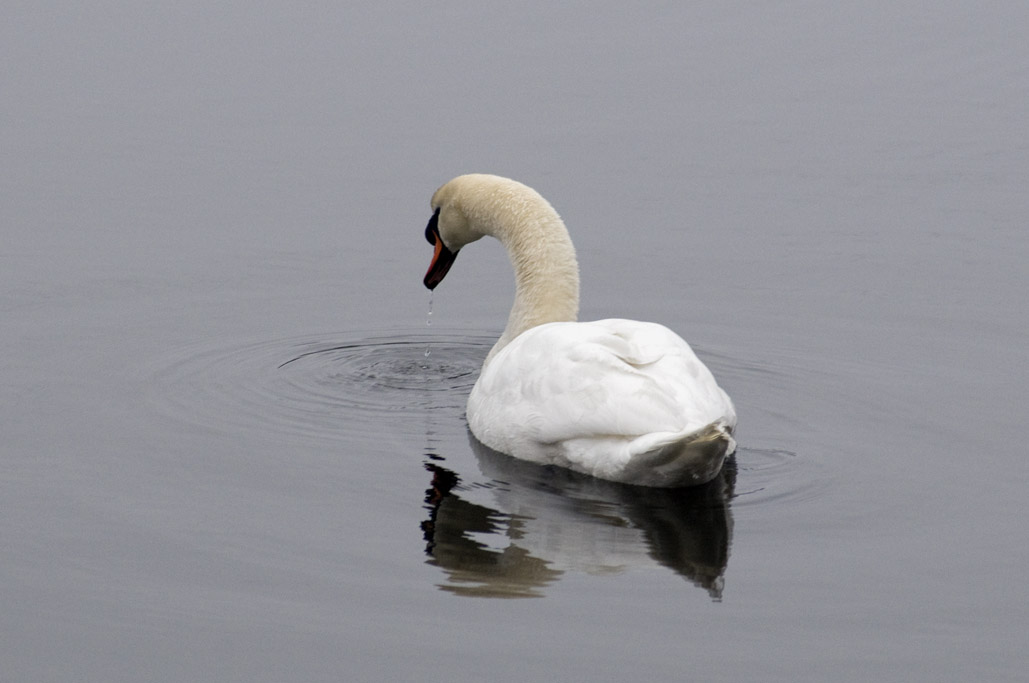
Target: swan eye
x=432 y=229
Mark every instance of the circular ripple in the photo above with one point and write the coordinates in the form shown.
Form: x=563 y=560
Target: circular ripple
x=341 y=387
x=766 y=391
x=775 y=477
x=332 y=388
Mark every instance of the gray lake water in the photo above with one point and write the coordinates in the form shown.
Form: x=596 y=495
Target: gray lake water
x=226 y=456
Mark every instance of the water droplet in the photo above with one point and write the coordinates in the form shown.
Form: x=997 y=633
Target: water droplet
x=428 y=322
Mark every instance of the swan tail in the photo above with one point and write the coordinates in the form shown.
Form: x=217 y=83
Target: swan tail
x=689 y=460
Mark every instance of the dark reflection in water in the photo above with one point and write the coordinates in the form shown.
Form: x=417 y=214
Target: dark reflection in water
x=520 y=532
x=473 y=568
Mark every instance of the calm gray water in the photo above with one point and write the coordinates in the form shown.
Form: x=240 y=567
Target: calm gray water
x=226 y=456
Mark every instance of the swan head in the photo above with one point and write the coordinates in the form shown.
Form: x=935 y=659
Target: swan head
x=442 y=257
x=449 y=229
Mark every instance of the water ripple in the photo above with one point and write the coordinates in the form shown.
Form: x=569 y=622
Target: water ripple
x=341 y=387
x=324 y=387
x=775 y=468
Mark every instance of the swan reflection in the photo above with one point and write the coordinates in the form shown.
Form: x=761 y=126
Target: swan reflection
x=530 y=524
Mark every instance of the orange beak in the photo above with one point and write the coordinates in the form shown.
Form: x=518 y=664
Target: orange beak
x=442 y=258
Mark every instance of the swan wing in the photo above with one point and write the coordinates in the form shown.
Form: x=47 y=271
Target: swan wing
x=610 y=387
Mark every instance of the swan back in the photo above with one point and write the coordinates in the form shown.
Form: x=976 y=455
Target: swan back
x=623 y=400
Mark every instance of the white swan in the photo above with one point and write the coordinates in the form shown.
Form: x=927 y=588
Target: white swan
x=620 y=400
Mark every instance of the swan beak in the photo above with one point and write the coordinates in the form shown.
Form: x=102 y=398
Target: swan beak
x=442 y=258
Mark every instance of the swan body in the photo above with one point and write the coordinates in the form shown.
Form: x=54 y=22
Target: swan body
x=621 y=400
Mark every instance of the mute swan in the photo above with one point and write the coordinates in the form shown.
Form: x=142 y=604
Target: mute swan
x=621 y=400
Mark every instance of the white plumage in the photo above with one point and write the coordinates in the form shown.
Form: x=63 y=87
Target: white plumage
x=622 y=400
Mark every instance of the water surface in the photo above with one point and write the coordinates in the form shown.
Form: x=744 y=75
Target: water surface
x=227 y=456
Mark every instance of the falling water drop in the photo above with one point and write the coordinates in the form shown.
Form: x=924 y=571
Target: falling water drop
x=428 y=322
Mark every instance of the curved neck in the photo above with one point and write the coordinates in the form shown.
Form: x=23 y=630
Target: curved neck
x=546 y=270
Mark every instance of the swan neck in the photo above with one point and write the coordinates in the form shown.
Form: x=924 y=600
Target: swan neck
x=546 y=272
